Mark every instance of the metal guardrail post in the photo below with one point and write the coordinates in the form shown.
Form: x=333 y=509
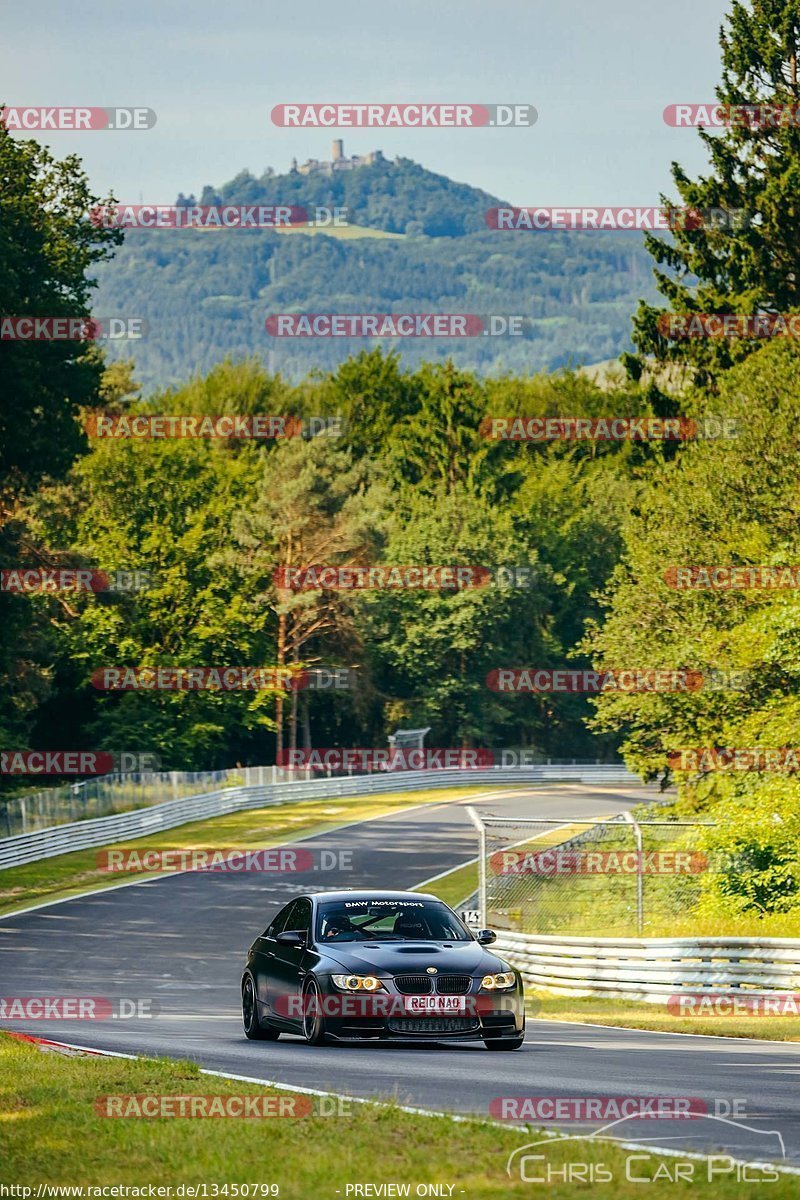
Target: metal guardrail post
x=653 y=968
x=481 y=828
x=639 y=874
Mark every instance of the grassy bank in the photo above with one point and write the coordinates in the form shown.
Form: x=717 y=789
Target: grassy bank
x=639 y=1015
x=604 y=904
x=51 y=1132
x=461 y=882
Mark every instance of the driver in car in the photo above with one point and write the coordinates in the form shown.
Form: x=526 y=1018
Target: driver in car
x=339 y=924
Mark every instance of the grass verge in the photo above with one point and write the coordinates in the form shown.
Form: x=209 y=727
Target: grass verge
x=460 y=883
x=455 y=886
x=52 y=1133
x=634 y=1014
x=604 y=904
x=71 y=874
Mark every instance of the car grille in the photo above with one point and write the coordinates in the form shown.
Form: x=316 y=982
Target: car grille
x=433 y=1025
x=422 y=985
x=413 y=985
x=453 y=985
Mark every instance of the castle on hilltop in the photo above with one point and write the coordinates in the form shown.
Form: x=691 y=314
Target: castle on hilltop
x=339 y=161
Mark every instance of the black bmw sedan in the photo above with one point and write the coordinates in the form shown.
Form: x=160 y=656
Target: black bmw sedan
x=381 y=965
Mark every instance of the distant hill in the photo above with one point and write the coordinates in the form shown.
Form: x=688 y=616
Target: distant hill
x=207 y=294
x=398 y=197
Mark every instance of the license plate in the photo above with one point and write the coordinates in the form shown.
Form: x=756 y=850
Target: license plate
x=446 y=1005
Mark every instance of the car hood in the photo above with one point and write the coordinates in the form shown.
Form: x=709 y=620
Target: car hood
x=411 y=958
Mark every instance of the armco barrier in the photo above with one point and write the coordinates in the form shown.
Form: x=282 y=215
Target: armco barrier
x=102 y=831
x=653 y=968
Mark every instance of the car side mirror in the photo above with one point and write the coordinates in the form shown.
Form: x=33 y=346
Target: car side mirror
x=291 y=937
x=486 y=937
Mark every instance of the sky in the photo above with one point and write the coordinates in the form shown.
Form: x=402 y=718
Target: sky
x=599 y=74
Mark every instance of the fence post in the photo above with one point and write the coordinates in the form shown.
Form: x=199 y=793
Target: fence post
x=481 y=828
x=639 y=875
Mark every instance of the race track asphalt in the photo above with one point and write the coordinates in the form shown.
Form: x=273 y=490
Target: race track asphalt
x=181 y=939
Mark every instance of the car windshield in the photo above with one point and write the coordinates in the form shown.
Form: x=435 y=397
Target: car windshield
x=389 y=921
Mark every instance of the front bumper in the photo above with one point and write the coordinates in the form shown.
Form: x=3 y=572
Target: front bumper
x=387 y=1016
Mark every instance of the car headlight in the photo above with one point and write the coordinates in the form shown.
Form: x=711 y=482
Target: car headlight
x=357 y=983
x=499 y=983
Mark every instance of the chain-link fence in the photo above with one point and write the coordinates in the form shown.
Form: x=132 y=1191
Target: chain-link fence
x=104 y=795
x=22 y=812
x=617 y=877
x=25 y=812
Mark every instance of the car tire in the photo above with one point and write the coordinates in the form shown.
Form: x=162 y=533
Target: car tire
x=504 y=1043
x=253 y=1028
x=313 y=1020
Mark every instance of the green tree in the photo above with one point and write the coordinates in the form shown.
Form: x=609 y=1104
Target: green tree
x=752 y=266
x=306 y=509
x=431 y=650
x=731 y=503
x=48 y=248
x=162 y=507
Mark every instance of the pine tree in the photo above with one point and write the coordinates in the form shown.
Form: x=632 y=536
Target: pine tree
x=750 y=263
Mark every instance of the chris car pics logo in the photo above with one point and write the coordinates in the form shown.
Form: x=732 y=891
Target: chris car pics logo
x=564 y=1159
